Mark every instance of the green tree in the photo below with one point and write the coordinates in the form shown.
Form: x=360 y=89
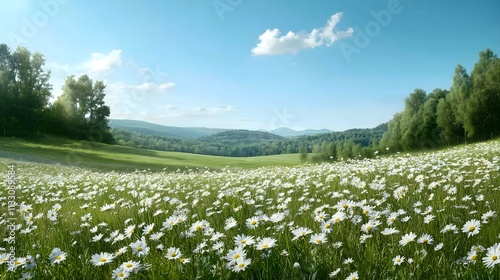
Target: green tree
x=482 y=113
x=25 y=91
x=303 y=153
x=446 y=121
x=83 y=105
x=459 y=95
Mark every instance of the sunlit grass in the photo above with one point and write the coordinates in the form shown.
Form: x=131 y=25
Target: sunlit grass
x=102 y=157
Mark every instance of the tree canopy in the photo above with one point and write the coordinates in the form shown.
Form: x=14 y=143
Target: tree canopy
x=25 y=92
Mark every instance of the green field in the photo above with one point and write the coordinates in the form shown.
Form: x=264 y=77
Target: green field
x=427 y=215
x=102 y=157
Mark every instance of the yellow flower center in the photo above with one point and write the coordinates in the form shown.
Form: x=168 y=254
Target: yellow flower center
x=129 y=265
x=327 y=226
x=173 y=254
x=473 y=257
x=236 y=256
x=103 y=259
x=265 y=246
x=254 y=223
x=472 y=228
x=243 y=241
x=494 y=257
x=241 y=265
x=121 y=274
x=58 y=257
x=368 y=228
x=139 y=248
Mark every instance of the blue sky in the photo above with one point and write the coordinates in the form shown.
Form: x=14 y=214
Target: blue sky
x=255 y=64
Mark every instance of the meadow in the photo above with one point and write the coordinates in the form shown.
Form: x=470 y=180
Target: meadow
x=404 y=216
x=102 y=157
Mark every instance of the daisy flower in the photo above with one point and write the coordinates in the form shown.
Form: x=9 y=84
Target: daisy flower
x=101 y=259
x=353 y=276
x=148 y=229
x=348 y=261
x=407 y=238
x=299 y=232
x=426 y=239
x=129 y=230
x=173 y=253
x=398 y=260
x=131 y=266
x=156 y=236
x=57 y=256
x=334 y=273
x=471 y=227
x=318 y=238
x=389 y=231
x=492 y=256
x=139 y=248
x=252 y=222
x=233 y=255
x=449 y=227
x=241 y=264
x=97 y=237
x=230 y=223
x=266 y=243
x=243 y=240
x=120 y=273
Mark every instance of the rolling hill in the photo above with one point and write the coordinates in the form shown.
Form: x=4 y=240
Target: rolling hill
x=241 y=136
x=147 y=128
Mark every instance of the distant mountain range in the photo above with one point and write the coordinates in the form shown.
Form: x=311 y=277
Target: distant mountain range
x=147 y=128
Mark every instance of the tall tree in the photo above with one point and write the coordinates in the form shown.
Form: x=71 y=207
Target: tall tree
x=459 y=96
x=411 y=118
x=446 y=121
x=482 y=115
x=83 y=104
x=25 y=91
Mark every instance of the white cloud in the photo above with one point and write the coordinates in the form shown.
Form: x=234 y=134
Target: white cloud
x=148 y=86
x=271 y=43
x=103 y=62
x=166 y=86
x=170 y=107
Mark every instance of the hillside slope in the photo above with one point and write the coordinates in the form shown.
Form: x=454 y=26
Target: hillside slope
x=147 y=128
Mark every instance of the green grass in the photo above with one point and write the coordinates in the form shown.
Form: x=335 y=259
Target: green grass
x=112 y=157
x=451 y=186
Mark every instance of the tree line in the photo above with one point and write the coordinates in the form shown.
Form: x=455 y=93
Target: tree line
x=25 y=107
x=468 y=111
x=241 y=143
